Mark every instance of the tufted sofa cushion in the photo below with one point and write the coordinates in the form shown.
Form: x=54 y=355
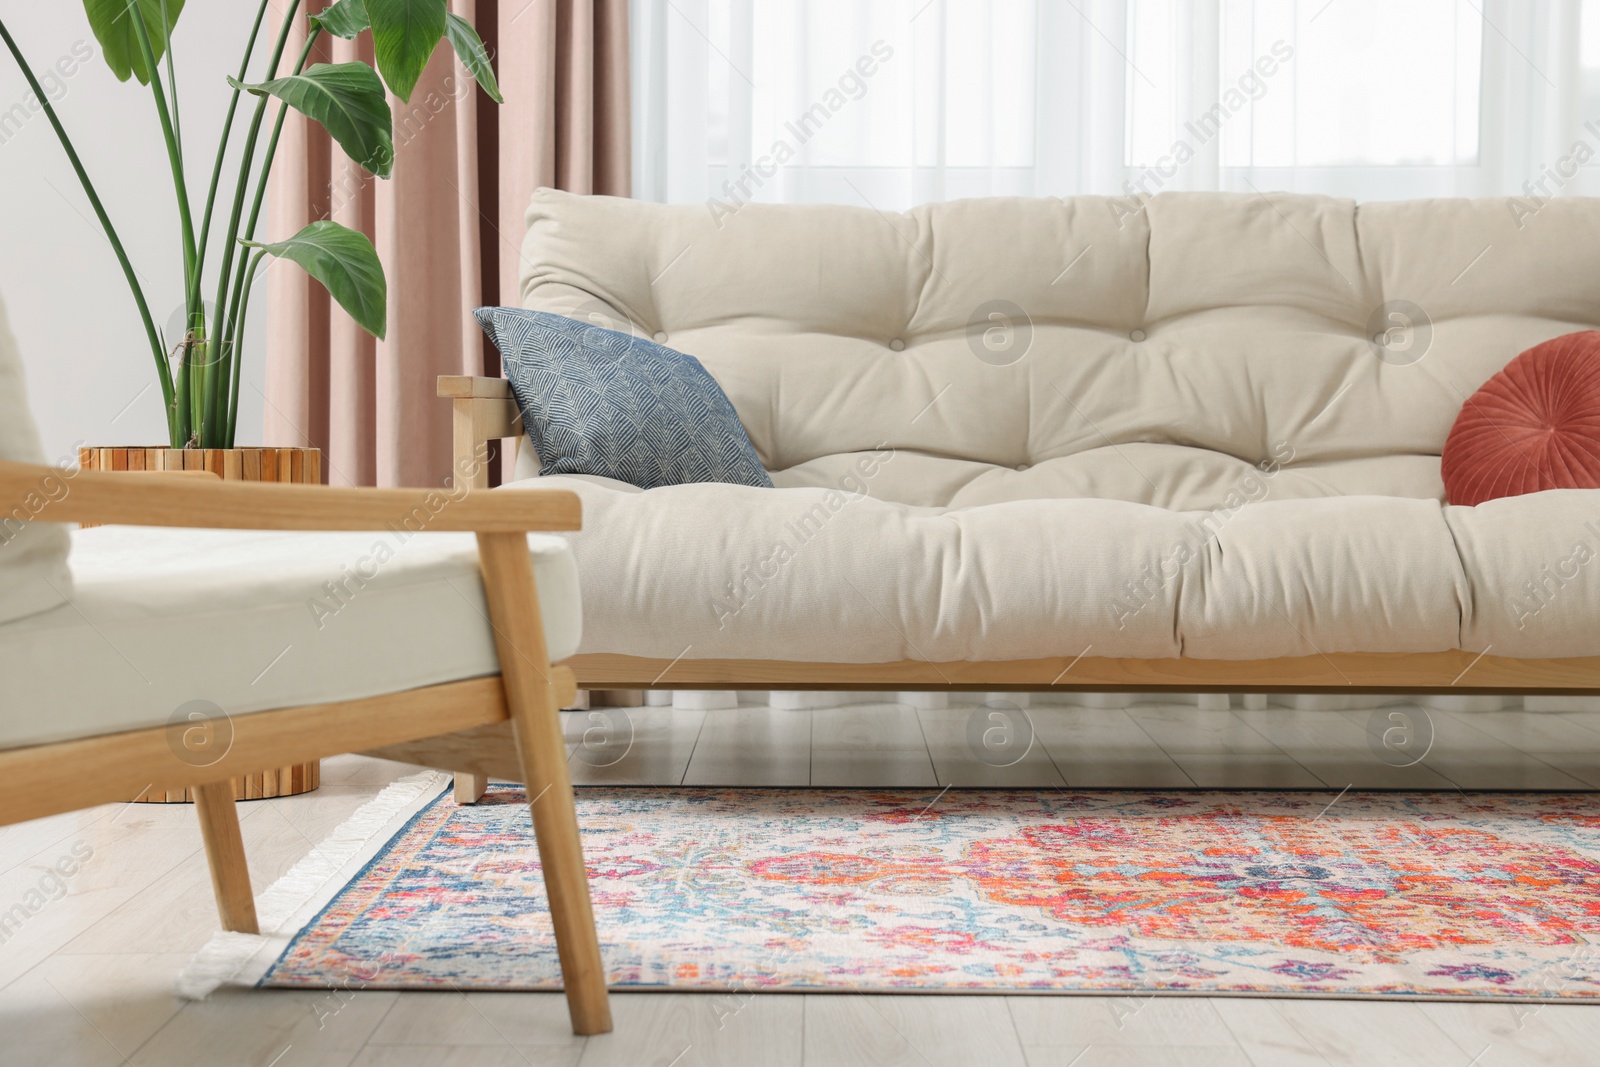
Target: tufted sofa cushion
x=1276 y=372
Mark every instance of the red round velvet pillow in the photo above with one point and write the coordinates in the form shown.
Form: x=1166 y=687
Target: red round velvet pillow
x=1533 y=426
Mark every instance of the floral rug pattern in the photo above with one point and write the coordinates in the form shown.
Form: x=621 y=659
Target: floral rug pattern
x=1404 y=894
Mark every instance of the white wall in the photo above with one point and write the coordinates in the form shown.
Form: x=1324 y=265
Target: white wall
x=91 y=377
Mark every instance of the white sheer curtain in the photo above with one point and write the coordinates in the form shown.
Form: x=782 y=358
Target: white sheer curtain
x=918 y=100
x=900 y=102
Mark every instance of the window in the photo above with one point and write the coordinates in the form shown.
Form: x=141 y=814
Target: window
x=895 y=102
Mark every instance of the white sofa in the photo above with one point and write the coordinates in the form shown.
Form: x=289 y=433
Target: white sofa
x=1192 y=452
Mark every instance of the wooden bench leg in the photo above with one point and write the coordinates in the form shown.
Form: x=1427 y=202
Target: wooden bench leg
x=536 y=725
x=230 y=874
x=470 y=787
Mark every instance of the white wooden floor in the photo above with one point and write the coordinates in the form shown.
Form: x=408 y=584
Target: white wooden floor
x=85 y=976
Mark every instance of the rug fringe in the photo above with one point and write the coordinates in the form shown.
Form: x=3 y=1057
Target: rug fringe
x=226 y=955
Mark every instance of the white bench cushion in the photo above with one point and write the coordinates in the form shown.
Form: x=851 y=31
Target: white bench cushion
x=162 y=617
x=33 y=555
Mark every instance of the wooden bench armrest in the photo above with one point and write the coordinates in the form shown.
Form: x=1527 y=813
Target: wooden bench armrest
x=54 y=494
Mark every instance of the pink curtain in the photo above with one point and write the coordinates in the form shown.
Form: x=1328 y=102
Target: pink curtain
x=448 y=226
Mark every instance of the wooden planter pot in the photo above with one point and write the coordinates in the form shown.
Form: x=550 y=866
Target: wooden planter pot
x=301 y=465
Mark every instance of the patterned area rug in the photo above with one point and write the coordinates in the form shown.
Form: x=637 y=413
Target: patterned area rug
x=1384 y=894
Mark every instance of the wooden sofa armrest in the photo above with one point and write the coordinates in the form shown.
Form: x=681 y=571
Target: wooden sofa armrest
x=53 y=494
x=465 y=386
x=484 y=410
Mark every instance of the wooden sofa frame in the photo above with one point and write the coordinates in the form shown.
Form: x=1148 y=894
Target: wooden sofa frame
x=518 y=710
x=484 y=411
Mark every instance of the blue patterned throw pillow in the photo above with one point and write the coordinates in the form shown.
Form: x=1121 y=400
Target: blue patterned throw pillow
x=596 y=401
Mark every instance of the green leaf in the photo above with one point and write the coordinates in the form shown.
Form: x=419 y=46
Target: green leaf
x=346 y=264
x=345 y=19
x=113 y=26
x=469 y=48
x=404 y=35
x=348 y=99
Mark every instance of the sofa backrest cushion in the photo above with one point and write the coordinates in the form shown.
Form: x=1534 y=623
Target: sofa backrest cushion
x=1164 y=350
x=33 y=555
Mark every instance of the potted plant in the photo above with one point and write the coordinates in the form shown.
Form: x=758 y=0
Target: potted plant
x=199 y=371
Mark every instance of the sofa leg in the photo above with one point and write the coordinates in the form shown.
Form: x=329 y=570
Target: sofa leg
x=536 y=726
x=470 y=787
x=230 y=874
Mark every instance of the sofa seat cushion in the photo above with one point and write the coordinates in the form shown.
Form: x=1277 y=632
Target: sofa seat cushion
x=257 y=620
x=832 y=575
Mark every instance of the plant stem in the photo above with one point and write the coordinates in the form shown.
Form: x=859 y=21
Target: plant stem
x=234 y=327
x=163 y=372
x=220 y=314
x=172 y=80
x=185 y=218
x=272 y=144
x=222 y=151
x=237 y=366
